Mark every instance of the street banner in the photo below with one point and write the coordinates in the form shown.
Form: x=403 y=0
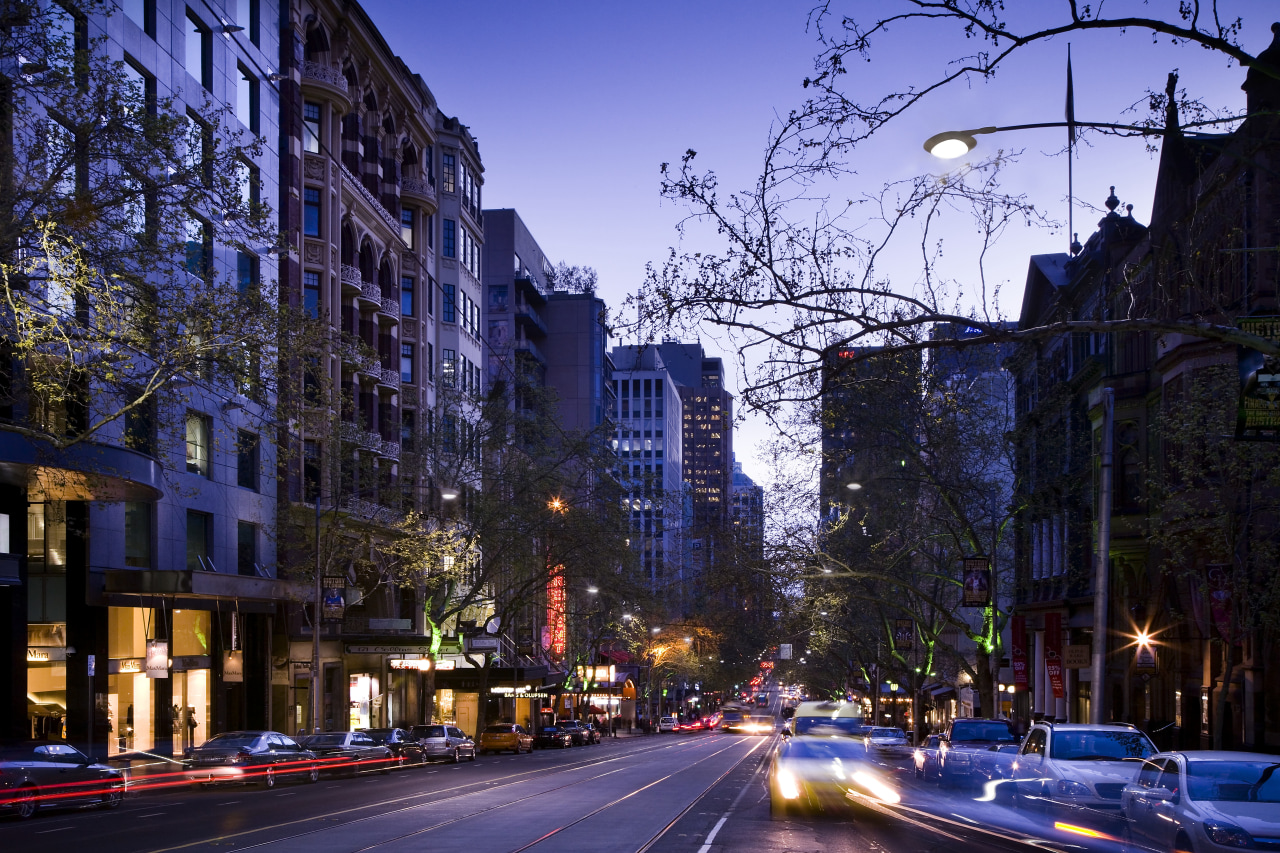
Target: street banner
x=903 y=632
x=1258 y=409
x=1053 y=654
x=1018 y=654
x=977 y=582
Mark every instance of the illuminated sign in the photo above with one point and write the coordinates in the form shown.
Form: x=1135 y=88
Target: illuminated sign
x=556 y=625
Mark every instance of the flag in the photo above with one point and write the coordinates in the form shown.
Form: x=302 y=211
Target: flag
x=1071 y=103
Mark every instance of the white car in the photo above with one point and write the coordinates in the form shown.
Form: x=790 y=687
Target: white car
x=1205 y=801
x=667 y=724
x=1078 y=764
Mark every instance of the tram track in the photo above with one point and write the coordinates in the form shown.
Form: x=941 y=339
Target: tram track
x=425 y=799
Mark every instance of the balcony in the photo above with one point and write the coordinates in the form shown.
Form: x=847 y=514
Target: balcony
x=328 y=79
x=419 y=190
x=389 y=310
x=370 y=295
x=352 y=282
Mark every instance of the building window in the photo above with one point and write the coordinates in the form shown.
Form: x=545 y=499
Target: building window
x=311 y=128
x=199 y=51
x=406 y=362
x=448 y=310
x=447 y=366
x=449 y=239
x=246 y=548
x=247 y=460
x=247 y=100
x=406 y=227
x=449 y=172
x=406 y=295
x=311 y=211
x=137 y=535
x=199 y=444
x=142 y=13
x=311 y=293
x=199 y=527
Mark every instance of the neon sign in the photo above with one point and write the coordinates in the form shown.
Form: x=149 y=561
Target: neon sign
x=556 y=612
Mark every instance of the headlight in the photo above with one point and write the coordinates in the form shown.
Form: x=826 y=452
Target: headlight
x=1227 y=834
x=1067 y=788
x=788 y=787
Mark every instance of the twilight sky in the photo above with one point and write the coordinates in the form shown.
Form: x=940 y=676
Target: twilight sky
x=575 y=103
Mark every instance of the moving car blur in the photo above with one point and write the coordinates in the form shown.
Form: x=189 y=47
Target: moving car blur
x=52 y=774
x=260 y=757
x=822 y=773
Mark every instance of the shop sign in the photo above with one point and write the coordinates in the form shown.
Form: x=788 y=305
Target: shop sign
x=1077 y=656
x=1053 y=654
x=45 y=654
x=977 y=582
x=125 y=666
x=157 y=658
x=233 y=667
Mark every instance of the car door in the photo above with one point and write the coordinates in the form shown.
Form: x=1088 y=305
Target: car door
x=1030 y=772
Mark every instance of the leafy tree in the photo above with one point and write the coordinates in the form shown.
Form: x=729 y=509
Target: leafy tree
x=111 y=203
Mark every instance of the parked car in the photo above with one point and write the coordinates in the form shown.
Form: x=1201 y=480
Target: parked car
x=402 y=745
x=441 y=740
x=888 y=742
x=38 y=774
x=500 y=737
x=963 y=739
x=1204 y=800
x=348 y=752
x=577 y=730
x=553 y=737
x=667 y=724
x=814 y=772
x=925 y=758
x=250 y=757
x=1078 y=764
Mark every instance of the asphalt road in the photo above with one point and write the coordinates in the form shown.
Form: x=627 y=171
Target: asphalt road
x=701 y=793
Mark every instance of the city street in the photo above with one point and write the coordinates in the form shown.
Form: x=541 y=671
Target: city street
x=699 y=793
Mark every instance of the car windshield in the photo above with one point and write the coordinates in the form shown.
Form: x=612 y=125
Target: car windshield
x=839 y=725
x=1234 y=781
x=232 y=740
x=982 y=730
x=326 y=740
x=429 y=731
x=1100 y=746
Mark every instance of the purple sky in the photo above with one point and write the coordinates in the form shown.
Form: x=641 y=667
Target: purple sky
x=575 y=105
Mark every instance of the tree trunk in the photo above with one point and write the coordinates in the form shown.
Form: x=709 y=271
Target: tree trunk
x=1220 y=712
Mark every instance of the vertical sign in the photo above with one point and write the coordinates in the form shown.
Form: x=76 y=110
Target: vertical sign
x=1018 y=654
x=977 y=582
x=157 y=658
x=557 y=628
x=1053 y=654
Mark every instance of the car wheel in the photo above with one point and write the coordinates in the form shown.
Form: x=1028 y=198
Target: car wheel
x=25 y=805
x=268 y=778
